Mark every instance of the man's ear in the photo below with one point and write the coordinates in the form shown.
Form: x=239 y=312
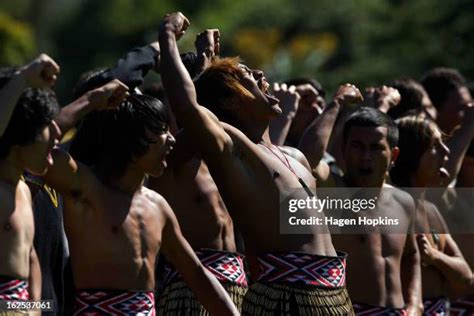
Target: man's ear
x=395 y=152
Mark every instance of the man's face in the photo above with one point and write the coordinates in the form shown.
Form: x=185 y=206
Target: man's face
x=153 y=162
x=36 y=157
x=451 y=113
x=367 y=156
x=263 y=105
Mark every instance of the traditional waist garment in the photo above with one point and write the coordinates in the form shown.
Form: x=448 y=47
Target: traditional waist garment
x=293 y=283
x=13 y=289
x=462 y=307
x=178 y=299
x=362 y=309
x=436 y=306
x=112 y=302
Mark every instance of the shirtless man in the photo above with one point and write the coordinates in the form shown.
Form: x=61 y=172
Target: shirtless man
x=116 y=227
x=204 y=220
x=26 y=134
x=390 y=261
x=251 y=174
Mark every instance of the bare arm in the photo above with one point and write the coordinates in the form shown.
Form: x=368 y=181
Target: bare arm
x=204 y=285
x=411 y=276
x=211 y=138
x=106 y=97
x=458 y=145
x=34 y=280
x=280 y=126
x=72 y=178
x=315 y=140
x=9 y=96
x=40 y=73
x=450 y=263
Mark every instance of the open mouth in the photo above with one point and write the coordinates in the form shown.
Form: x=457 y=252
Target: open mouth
x=264 y=87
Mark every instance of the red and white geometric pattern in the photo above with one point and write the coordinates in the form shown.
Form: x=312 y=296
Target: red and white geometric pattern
x=462 y=307
x=13 y=289
x=302 y=268
x=227 y=267
x=361 y=309
x=436 y=307
x=95 y=303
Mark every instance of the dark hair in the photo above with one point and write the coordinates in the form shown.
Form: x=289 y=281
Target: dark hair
x=439 y=82
x=411 y=93
x=313 y=82
x=34 y=110
x=115 y=138
x=371 y=117
x=416 y=136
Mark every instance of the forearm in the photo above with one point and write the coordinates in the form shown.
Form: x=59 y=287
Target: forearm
x=315 y=140
x=34 y=282
x=455 y=269
x=279 y=128
x=71 y=114
x=176 y=79
x=210 y=292
x=458 y=145
x=9 y=96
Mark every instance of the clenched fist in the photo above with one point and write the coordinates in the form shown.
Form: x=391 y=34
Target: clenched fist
x=42 y=72
x=109 y=96
x=347 y=95
x=176 y=23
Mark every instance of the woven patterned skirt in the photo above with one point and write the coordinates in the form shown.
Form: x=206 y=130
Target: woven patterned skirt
x=178 y=299
x=295 y=283
x=105 y=302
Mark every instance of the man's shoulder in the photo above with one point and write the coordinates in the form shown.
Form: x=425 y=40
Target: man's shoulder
x=157 y=200
x=402 y=197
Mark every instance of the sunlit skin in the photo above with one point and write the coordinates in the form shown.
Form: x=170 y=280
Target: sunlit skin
x=393 y=279
x=17 y=223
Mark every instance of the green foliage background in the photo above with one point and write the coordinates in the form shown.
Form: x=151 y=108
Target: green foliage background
x=365 y=41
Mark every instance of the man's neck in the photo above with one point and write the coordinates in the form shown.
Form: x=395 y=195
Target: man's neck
x=10 y=172
x=130 y=182
x=256 y=131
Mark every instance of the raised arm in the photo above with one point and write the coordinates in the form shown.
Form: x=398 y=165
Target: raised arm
x=458 y=145
x=280 y=126
x=204 y=285
x=211 y=138
x=40 y=73
x=382 y=98
x=109 y=96
x=66 y=175
x=315 y=140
